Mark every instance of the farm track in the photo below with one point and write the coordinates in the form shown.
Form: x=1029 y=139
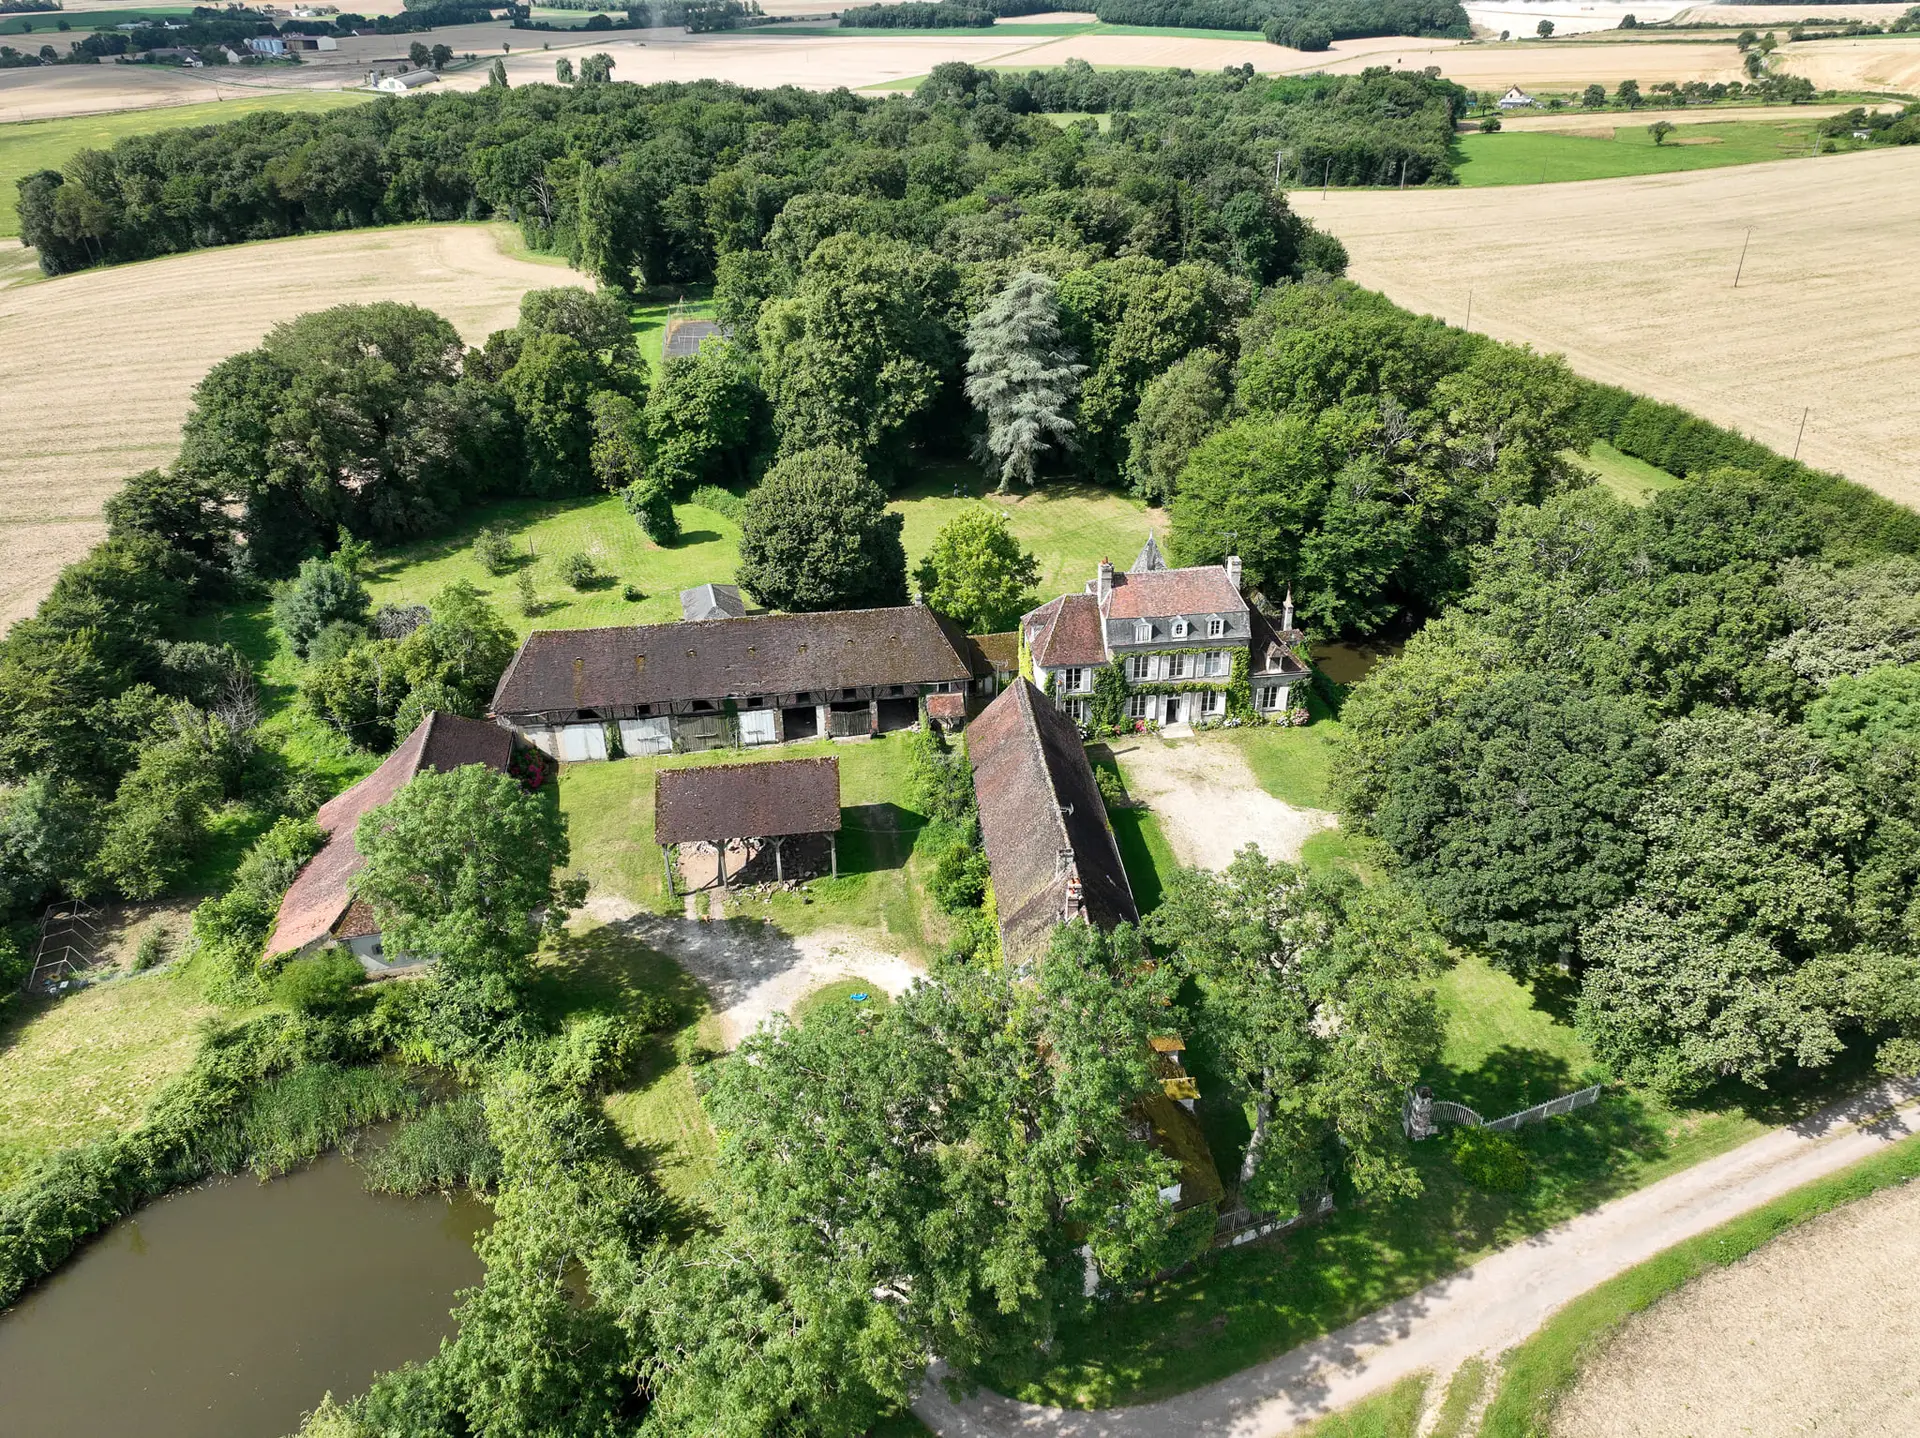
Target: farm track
x=1484 y=1309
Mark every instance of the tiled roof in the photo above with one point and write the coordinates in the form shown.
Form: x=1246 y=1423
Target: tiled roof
x=712 y=601
x=746 y=801
x=563 y=670
x=1204 y=589
x=1066 y=630
x=1271 y=650
x=319 y=896
x=1038 y=802
x=996 y=653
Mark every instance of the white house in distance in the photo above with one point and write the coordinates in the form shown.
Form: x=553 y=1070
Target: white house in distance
x=1175 y=630
x=1516 y=99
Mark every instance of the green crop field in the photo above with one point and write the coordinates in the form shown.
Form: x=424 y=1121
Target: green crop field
x=47 y=22
x=30 y=145
x=1536 y=157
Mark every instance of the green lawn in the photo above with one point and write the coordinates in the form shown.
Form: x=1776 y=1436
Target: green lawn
x=880 y=890
x=1291 y=764
x=1548 y=1364
x=839 y=995
x=1508 y=1045
x=1531 y=157
x=1633 y=480
x=30 y=145
x=79 y=1067
x=1068 y=528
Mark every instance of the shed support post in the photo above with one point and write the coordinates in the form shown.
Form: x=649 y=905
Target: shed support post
x=821 y=714
x=833 y=853
x=779 y=875
x=666 y=863
x=720 y=852
x=873 y=716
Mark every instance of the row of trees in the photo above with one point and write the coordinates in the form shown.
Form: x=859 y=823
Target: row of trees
x=650 y=185
x=1677 y=749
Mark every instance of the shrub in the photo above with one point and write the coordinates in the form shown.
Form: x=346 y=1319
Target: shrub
x=959 y=880
x=655 y=1013
x=1113 y=789
x=1491 y=1162
x=529 y=601
x=580 y=571
x=321 y=594
x=632 y=594
x=592 y=1048
x=444 y=1149
x=230 y=931
x=155 y=946
x=721 y=501
x=324 y=981
x=493 y=550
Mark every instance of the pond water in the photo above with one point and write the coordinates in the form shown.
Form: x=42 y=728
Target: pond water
x=226 y=1311
x=1349 y=663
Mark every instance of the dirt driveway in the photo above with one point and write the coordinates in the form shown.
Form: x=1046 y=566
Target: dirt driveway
x=751 y=968
x=1208 y=802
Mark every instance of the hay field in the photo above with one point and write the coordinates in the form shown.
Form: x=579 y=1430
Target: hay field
x=1631 y=279
x=1570 y=17
x=1871 y=62
x=99 y=367
x=1605 y=122
x=1786 y=14
x=1817 y=1332
x=52 y=91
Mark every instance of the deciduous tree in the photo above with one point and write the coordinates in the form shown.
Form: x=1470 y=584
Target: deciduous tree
x=977 y=574
x=818 y=535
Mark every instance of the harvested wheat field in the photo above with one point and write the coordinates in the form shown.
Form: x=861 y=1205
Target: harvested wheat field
x=1555 y=66
x=1818 y=1332
x=1632 y=280
x=1871 y=62
x=51 y=92
x=99 y=367
x=1781 y=15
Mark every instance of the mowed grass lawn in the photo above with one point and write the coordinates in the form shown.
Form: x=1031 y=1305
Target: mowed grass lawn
x=30 y=145
x=1633 y=480
x=1534 y=157
x=1069 y=529
x=78 y=1067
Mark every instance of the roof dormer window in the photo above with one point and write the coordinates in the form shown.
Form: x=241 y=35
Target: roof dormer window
x=1142 y=632
x=1180 y=627
x=1216 y=627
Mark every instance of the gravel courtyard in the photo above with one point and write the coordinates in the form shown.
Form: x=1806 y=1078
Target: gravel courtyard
x=1208 y=802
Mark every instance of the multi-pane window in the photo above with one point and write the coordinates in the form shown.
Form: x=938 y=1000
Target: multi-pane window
x=1137 y=706
x=1142 y=632
x=1269 y=696
x=1176 y=666
x=1219 y=662
x=1072 y=680
x=1216 y=627
x=1140 y=666
x=1079 y=709
x=1211 y=701
x=1180 y=627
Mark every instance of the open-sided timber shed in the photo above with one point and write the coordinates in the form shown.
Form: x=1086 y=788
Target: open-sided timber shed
x=769 y=803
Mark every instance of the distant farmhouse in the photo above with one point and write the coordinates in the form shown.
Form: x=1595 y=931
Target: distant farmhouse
x=757 y=679
x=1175 y=630
x=320 y=906
x=402 y=83
x=1516 y=99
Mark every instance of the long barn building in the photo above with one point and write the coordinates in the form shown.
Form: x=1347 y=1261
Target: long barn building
x=760 y=679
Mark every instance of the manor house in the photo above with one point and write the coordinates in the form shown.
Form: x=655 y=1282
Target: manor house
x=1176 y=631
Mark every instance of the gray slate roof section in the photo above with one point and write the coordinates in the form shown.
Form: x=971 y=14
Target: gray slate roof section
x=1037 y=800
x=561 y=671
x=1149 y=558
x=712 y=601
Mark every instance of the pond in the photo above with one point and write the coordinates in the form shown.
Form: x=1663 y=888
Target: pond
x=225 y=1311
x=1349 y=663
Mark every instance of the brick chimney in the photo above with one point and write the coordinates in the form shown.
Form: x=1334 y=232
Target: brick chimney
x=1103 y=584
x=1233 y=571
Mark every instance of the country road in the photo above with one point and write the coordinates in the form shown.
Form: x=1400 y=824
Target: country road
x=1483 y=1309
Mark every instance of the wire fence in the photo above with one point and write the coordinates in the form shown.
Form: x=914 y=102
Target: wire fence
x=69 y=943
x=1422 y=1114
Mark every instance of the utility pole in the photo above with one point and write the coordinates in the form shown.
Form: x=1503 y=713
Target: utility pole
x=1469 y=324
x=1743 y=257
x=1326 y=179
x=1801 y=435
x=1403 y=172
